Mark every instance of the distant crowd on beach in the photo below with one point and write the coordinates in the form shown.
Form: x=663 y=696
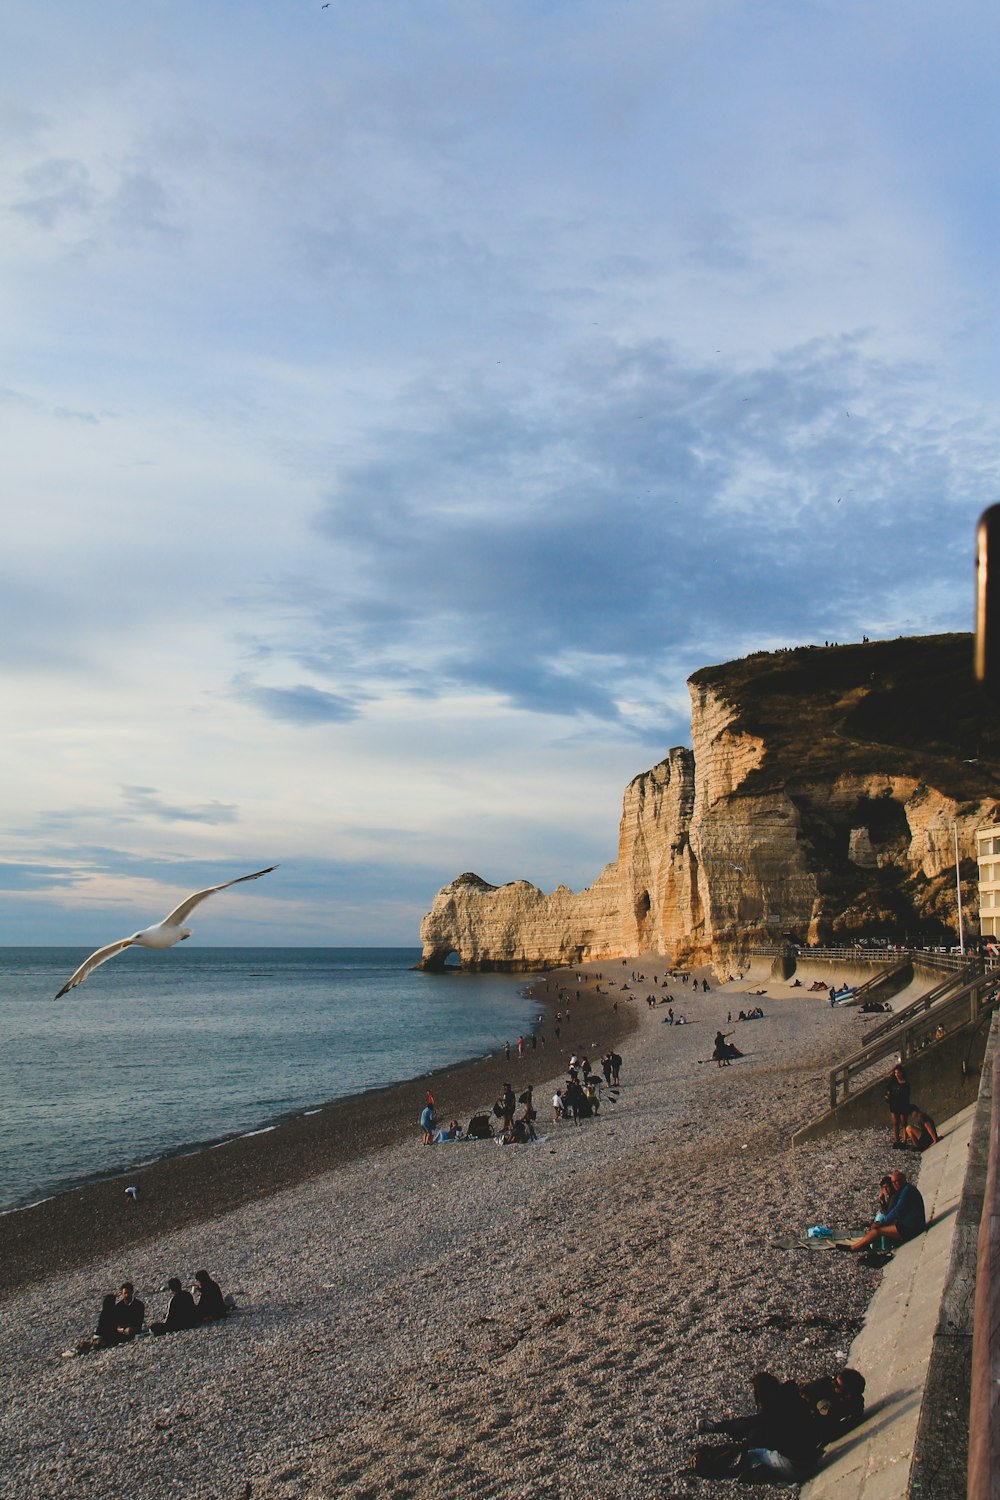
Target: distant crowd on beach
x=791 y=1423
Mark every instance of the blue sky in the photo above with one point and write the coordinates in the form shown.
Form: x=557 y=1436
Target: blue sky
x=399 y=401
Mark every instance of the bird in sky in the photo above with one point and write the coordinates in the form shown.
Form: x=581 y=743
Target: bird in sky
x=161 y=935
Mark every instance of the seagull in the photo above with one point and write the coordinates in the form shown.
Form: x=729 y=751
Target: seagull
x=162 y=935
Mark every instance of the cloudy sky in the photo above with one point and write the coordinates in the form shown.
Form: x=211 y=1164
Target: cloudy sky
x=400 y=398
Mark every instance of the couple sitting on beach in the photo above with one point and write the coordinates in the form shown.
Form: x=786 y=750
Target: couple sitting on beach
x=901 y=1217
x=791 y=1424
x=121 y=1318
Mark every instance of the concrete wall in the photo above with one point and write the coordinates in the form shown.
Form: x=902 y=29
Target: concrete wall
x=940 y=1450
x=944 y=1078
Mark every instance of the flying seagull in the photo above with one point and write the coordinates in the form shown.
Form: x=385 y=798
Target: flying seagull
x=162 y=935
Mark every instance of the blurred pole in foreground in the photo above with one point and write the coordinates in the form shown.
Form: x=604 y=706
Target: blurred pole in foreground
x=988 y=600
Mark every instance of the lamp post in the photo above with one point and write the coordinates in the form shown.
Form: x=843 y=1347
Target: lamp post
x=958 y=887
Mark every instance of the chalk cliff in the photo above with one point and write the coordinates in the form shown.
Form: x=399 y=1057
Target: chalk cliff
x=820 y=798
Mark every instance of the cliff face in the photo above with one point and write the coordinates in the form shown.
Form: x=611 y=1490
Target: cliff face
x=820 y=798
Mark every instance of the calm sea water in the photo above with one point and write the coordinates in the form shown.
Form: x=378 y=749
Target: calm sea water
x=159 y=1052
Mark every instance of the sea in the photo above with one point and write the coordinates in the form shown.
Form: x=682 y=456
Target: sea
x=160 y=1053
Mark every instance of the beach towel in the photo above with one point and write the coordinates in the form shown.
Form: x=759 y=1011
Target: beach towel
x=821 y=1242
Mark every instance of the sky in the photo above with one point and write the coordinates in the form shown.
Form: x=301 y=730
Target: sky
x=400 y=400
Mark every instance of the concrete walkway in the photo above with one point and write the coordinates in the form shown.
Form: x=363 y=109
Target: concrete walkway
x=893 y=1349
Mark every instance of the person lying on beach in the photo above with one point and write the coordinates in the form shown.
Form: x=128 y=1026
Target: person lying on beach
x=181 y=1311
x=781 y=1441
x=130 y=1311
x=450 y=1132
x=921 y=1131
x=837 y=1402
x=211 y=1304
x=905 y=1220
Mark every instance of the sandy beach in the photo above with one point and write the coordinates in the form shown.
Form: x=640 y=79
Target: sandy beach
x=465 y=1319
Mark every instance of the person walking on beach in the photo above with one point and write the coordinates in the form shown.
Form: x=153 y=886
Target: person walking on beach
x=427 y=1124
x=616 y=1067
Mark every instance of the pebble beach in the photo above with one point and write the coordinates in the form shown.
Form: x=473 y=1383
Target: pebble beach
x=463 y=1319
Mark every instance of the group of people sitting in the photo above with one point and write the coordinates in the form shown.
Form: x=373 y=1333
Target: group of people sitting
x=751 y=1015
x=123 y=1317
x=578 y=1099
x=791 y=1424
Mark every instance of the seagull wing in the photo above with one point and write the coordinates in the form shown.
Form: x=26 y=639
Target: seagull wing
x=100 y=957
x=182 y=912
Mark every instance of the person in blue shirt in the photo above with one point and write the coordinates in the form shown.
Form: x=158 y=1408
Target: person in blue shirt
x=427 y=1123
x=905 y=1220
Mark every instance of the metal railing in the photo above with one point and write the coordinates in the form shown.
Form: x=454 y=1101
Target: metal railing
x=923 y=1003
x=968 y=1003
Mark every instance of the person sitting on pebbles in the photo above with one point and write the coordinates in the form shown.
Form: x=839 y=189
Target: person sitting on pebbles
x=905 y=1220
x=130 y=1312
x=211 y=1304
x=106 y=1334
x=181 y=1311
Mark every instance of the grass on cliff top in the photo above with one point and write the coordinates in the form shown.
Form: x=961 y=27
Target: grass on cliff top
x=908 y=707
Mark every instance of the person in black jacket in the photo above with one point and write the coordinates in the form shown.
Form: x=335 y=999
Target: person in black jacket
x=211 y=1304
x=181 y=1311
x=897 y=1094
x=131 y=1312
x=781 y=1441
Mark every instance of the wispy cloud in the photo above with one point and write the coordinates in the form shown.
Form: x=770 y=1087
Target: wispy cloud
x=399 y=404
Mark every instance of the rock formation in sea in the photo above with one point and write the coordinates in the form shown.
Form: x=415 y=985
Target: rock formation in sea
x=819 y=799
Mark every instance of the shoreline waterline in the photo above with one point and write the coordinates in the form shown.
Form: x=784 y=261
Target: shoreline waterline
x=67 y=1229
x=169 y=1054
